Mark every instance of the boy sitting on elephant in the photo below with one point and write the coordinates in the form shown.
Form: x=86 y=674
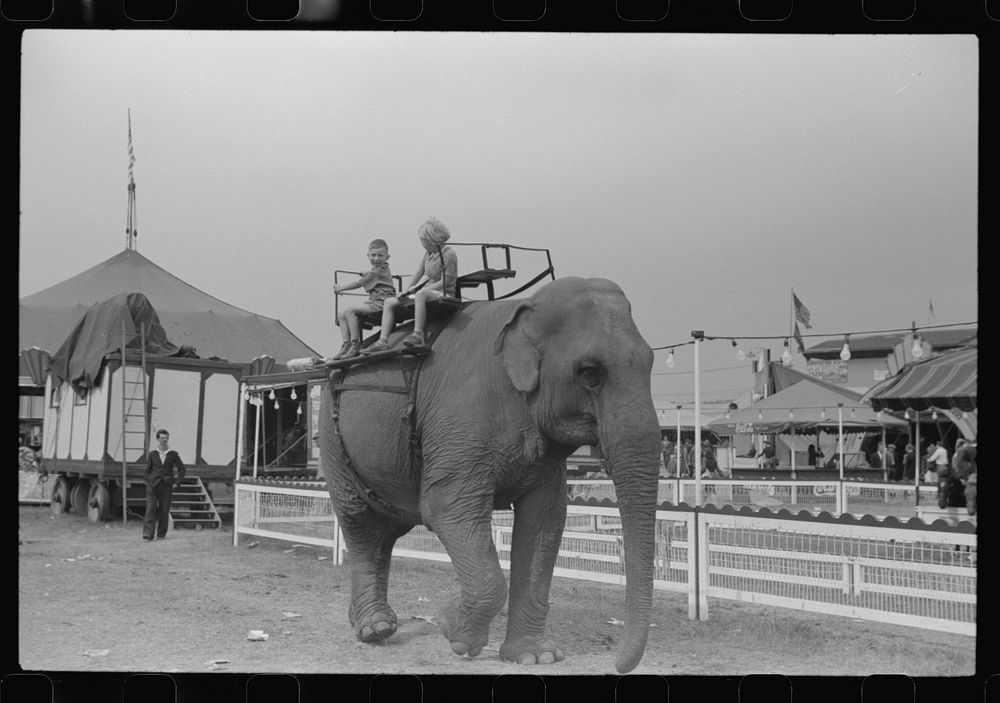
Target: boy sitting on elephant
x=379 y=286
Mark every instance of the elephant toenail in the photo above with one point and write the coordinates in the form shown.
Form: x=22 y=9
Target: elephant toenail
x=460 y=648
x=547 y=658
x=527 y=658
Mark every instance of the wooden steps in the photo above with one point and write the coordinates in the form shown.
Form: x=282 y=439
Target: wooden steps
x=192 y=506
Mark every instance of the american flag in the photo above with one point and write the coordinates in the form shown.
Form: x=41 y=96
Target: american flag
x=798 y=339
x=801 y=312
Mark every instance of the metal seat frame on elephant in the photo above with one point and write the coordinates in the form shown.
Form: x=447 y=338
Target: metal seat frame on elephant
x=411 y=358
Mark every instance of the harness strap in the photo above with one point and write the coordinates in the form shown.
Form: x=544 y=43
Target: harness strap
x=410 y=373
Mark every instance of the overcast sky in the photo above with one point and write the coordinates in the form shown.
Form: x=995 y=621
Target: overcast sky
x=708 y=175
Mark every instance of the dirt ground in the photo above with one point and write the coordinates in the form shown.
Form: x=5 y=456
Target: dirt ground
x=97 y=598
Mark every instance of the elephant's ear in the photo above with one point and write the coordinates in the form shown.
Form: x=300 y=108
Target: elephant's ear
x=520 y=357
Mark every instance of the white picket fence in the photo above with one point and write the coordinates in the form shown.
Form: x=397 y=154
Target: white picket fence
x=834 y=497
x=922 y=577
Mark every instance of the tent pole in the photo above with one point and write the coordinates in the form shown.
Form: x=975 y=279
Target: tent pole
x=240 y=430
x=916 y=462
x=698 y=335
x=677 y=447
x=793 y=452
x=840 y=456
x=256 y=434
x=885 y=450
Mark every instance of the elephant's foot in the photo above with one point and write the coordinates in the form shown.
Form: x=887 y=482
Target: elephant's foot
x=465 y=638
x=530 y=650
x=377 y=625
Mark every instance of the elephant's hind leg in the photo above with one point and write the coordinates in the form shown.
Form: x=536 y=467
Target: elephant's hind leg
x=370 y=540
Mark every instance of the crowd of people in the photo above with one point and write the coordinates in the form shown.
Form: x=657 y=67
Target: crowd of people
x=709 y=467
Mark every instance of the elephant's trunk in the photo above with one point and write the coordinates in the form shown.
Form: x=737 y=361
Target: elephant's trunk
x=632 y=455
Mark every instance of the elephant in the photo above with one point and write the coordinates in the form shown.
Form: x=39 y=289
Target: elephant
x=509 y=389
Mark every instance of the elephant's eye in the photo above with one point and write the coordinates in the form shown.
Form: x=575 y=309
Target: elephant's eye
x=589 y=376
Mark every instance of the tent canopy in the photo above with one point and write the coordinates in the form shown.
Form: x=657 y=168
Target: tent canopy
x=805 y=405
x=947 y=381
x=189 y=317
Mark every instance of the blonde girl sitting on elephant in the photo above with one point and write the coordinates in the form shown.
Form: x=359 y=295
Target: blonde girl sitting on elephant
x=434 y=278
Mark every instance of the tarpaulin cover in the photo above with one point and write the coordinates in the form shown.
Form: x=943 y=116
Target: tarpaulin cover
x=949 y=380
x=189 y=316
x=101 y=331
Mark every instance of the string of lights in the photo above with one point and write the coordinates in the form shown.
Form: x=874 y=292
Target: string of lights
x=845 y=352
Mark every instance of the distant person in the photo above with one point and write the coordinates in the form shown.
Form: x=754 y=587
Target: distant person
x=160 y=465
x=666 y=457
x=435 y=278
x=379 y=286
x=687 y=459
x=815 y=454
x=709 y=461
x=910 y=463
x=768 y=457
x=937 y=461
x=964 y=461
x=888 y=459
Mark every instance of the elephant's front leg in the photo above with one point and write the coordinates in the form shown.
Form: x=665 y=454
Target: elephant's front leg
x=462 y=520
x=539 y=518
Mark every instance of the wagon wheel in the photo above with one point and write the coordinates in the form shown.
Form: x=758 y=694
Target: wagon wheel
x=98 y=502
x=59 y=498
x=79 y=495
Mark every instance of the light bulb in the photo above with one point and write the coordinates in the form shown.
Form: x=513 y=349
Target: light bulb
x=786 y=355
x=918 y=348
x=822 y=414
x=934 y=414
x=907 y=414
x=845 y=353
x=271 y=396
x=760 y=415
x=852 y=413
x=670 y=359
x=298 y=410
x=740 y=354
x=294 y=397
x=276 y=406
x=791 y=414
x=727 y=414
x=246 y=396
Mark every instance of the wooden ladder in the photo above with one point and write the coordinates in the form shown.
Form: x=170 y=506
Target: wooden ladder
x=135 y=436
x=191 y=505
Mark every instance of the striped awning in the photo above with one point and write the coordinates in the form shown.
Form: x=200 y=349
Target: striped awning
x=947 y=381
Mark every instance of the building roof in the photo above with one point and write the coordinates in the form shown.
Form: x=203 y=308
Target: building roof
x=190 y=317
x=878 y=345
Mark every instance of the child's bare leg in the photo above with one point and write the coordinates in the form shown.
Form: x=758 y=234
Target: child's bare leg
x=388 y=318
x=419 y=311
x=352 y=322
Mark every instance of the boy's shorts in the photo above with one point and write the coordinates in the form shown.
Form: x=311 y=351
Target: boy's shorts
x=374 y=304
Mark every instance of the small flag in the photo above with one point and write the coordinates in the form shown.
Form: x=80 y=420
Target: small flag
x=801 y=312
x=798 y=339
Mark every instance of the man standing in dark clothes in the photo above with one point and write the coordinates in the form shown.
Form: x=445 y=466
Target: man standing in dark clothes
x=160 y=465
